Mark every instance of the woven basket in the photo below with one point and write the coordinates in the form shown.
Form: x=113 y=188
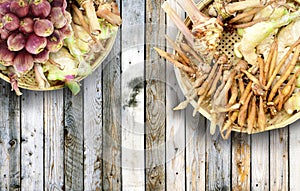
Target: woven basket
x=28 y=81
x=282 y=119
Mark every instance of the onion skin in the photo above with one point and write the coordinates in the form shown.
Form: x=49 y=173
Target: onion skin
x=23 y=62
x=4 y=33
x=54 y=42
x=35 y=44
x=19 y=8
x=42 y=57
x=59 y=3
x=4 y=7
x=10 y=22
x=57 y=17
x=16 y=42
x=26 y=25
x=40 y=8
x=6 y=56
x=43 y=28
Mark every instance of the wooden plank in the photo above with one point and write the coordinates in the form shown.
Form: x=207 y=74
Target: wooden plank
x=260 y=161
x=218 y=161
x=294 y=153
x=4 y=136
x=175 y=122
x=195 y=151
x=279 y=159
x=155 y=98
x=133 y=154
x=9 y=138
x=93 y=131
x=241 y=160
x=111 y=119
x=53 y=140
x=73 y=136
x=32 y=171
x=14 y=142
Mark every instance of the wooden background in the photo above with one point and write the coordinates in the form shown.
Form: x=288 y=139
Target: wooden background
x=120 y=132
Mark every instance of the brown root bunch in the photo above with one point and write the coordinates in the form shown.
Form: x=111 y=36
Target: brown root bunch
x=242 y=99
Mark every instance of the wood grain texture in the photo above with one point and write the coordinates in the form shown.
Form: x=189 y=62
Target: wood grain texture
x=93 y=131
x=218 y=161
x=195 y=151
x=133 y=102
x=175 y=122
x=279 y=159
x=32 y=148
x=155 y=98
x=112 y=119
x=73 y=140
x=53 y=140
x=260 y=161
x=294 y=153
x=9 y=138
x=241 y=160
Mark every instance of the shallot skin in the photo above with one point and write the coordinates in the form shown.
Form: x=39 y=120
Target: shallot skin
x=19 y=7
x=43 y=28
x=16 y=42
x=10 y=21
x=35 y=44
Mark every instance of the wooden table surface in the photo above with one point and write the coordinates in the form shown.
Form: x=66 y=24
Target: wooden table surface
x=120 y=132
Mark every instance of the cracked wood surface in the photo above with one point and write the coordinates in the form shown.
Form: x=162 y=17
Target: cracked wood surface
x=120 y=132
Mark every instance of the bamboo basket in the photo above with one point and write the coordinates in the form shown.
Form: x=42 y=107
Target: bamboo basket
x=28 y=81
x=281 y=120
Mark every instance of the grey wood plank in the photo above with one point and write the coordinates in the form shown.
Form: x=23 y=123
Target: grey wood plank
x=53 y=140
x=4 y=136
x=195 y=151
x=93 y=131
x=175 y=121
x=73 y=140
x=260 y=161
x=133 y=102
x=279 y=159
x=218 y=159
x=241 y=159
x=9 y=138
x=32 y=147
x=155 y=98
x=112 y=119
x=294 y=153
x=14 y=142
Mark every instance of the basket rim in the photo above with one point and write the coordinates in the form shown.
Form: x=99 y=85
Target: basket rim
x=184 y=88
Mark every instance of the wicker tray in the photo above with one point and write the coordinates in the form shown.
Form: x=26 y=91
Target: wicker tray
x=282 y=119
x=28 y=81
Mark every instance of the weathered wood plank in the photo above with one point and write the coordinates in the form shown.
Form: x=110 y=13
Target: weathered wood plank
x=73 y=140
x=279 y=159
x=294 y=153
x=133 y=102
x=9 y=138
x=93 y=131
x=4 y=137
x=175 y=121
x=195 y=151
x=155 y=98
x=218 y=161
x=241 y=160
x=260 y=161
x=32 y=138
x=14 y=142
x=53 y=140
x=112 y=119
